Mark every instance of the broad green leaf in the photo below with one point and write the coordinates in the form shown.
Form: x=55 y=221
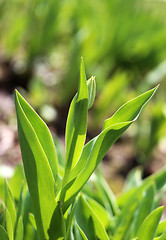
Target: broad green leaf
x=39 y=128
x=76 y=126
x=57 y=229
x=88 y=221
x=148 y=228
x=131 y=110
x=19 y=230
x=38 y=160
x=91 y=91
x=3 y=234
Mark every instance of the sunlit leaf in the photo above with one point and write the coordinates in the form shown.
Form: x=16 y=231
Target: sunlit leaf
x=76 y=126
x=19 y=230
x=148 y=228
x=39 y=158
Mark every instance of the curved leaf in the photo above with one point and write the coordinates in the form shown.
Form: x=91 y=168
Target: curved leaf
x=38 y=163
x=131 y=110
x=148 y=228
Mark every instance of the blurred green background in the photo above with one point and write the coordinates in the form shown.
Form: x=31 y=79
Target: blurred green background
x=123 y=44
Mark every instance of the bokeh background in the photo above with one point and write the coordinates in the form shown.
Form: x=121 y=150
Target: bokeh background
x=123 y=44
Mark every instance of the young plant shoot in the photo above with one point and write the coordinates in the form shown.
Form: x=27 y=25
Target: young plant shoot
x=49 y=205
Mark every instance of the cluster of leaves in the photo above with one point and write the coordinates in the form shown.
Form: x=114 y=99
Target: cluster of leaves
x=51 y=206
x=120 y=54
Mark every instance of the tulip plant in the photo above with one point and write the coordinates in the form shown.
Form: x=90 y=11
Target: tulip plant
x=49 y=200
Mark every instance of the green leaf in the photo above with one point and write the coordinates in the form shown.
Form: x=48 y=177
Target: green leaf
x=19 y=210
x=76 y=126
x=109 y=194
x=2 y=188
x=88 y=221
x=10 y=205
x=162 y=237
x=26 y=209
x=131 y=110
x=19 y=230
x=100 y=146
x=95 y=150
x=70 y=219
x=9 y=225
x=32 y=220
x=158 y=178
x=79 y=234
x=57 y=229
x=148 y=228
x=161 y=228
x=146 y=205
x=40 y=163
x=17 y=180
x=126 y=217
x=100 y=212
x=27 y=114
x=3 y=234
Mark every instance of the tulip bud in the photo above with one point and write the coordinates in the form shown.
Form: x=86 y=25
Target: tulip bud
x=91 y=91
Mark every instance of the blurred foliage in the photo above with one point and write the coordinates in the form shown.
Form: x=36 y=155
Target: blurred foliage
x=123 y=42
